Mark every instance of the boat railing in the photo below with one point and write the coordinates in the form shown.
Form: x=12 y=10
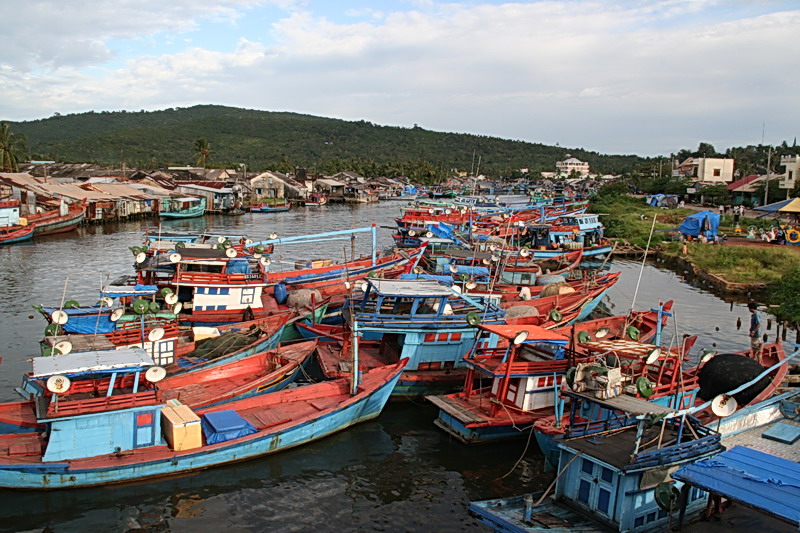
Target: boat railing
x=197 y=278
x=63 y=408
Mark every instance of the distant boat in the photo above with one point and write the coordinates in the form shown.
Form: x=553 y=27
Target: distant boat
x=316 y=200
x=186 y=207
x=58 y=220
x=275 y=208
x=12 y=234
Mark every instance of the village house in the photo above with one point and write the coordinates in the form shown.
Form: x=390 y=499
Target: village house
x=706 y=169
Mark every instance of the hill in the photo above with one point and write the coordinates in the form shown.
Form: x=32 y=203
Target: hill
x=277 y=140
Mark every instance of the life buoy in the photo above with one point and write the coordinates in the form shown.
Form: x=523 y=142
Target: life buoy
x=793 y=236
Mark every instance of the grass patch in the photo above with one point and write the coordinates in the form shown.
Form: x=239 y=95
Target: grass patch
x=740 y=264
x=622 y=218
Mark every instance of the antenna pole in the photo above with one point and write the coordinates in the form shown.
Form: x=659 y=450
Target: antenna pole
x=641 y=270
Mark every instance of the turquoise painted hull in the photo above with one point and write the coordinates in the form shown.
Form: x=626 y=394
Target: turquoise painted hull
x=59 y=475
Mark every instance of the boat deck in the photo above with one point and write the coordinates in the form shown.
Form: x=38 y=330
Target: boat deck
x=755 y=439
x=508 y=514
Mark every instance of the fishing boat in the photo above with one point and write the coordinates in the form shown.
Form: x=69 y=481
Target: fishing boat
x=526 y=372
x=137 y=443
x=422 y=320
x=271 y=208
x=612 y=480
x=62 y=219
x=98 y=379
x=12 y=234
x=645 y=371
x=13 y=228
x=315 y=200
x=183 y=207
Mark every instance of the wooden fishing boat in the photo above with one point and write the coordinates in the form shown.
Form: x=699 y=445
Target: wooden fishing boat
x=58 y=220
x=184 y=207
x=99 y=381
x=271 y=208
x=613 y=480
x=104 y=328
x=12 y=234
x=315 y=200
x=421 y=320
x=166 y=440
x=526 y=369
x=660 y=379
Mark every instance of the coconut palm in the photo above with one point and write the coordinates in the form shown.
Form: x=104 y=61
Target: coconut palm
x=13 y=147
x=203 y=152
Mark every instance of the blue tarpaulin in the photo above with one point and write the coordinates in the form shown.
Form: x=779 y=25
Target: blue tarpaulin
x=238 y=266
x=705 y=222
x=222 y=426
x=760 y=480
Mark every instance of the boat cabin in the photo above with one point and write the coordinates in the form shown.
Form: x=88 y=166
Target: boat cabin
x=429 y=323
x=519 y=383
x=621 y=477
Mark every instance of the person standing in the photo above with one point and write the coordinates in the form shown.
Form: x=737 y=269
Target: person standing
x=755 y=331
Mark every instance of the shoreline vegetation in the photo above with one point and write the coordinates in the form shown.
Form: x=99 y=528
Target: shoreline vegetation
x=732 y=267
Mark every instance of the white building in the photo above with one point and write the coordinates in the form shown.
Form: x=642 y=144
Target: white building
x=707 y=169
x=792 y=165
x=571 y=164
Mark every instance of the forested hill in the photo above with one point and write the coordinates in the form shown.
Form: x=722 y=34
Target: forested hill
x=275 y=140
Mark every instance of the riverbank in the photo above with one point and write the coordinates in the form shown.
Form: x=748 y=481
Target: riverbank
x=737 y=266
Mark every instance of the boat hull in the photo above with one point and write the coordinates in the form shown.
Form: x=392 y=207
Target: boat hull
x=159 y=461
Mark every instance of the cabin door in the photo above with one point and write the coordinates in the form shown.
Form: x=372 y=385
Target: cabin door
x=596 y=487
x=144 y=428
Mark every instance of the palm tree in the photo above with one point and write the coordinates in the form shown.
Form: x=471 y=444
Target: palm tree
x=13 y=147
x=203 y=151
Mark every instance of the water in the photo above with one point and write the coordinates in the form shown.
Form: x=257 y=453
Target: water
x=398 y=473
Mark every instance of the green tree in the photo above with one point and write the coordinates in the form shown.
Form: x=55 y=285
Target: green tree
x=202 y=150
x=13 y=147
x=785 y=297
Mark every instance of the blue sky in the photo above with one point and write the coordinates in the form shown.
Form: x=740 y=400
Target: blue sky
x=646 y=77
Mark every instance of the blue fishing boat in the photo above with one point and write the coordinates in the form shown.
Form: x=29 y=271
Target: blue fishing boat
x=183 y=207
x=430 y=324
x=270 y=208
x=613 y=479
x=142 y=442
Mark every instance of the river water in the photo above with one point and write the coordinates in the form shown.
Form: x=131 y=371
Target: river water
x=398 y=473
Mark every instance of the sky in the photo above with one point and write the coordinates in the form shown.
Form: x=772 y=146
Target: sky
x=645 y=77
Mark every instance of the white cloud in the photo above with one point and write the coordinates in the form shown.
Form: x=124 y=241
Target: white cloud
x=646 y=77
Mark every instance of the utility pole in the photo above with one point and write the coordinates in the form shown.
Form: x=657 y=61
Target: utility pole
x=766 y=184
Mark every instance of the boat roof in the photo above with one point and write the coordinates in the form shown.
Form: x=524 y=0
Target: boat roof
x=755 y=478
x=626 y=403
x=409 y=288
x=117 y=291
x=94 y=361
x=535 y=333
